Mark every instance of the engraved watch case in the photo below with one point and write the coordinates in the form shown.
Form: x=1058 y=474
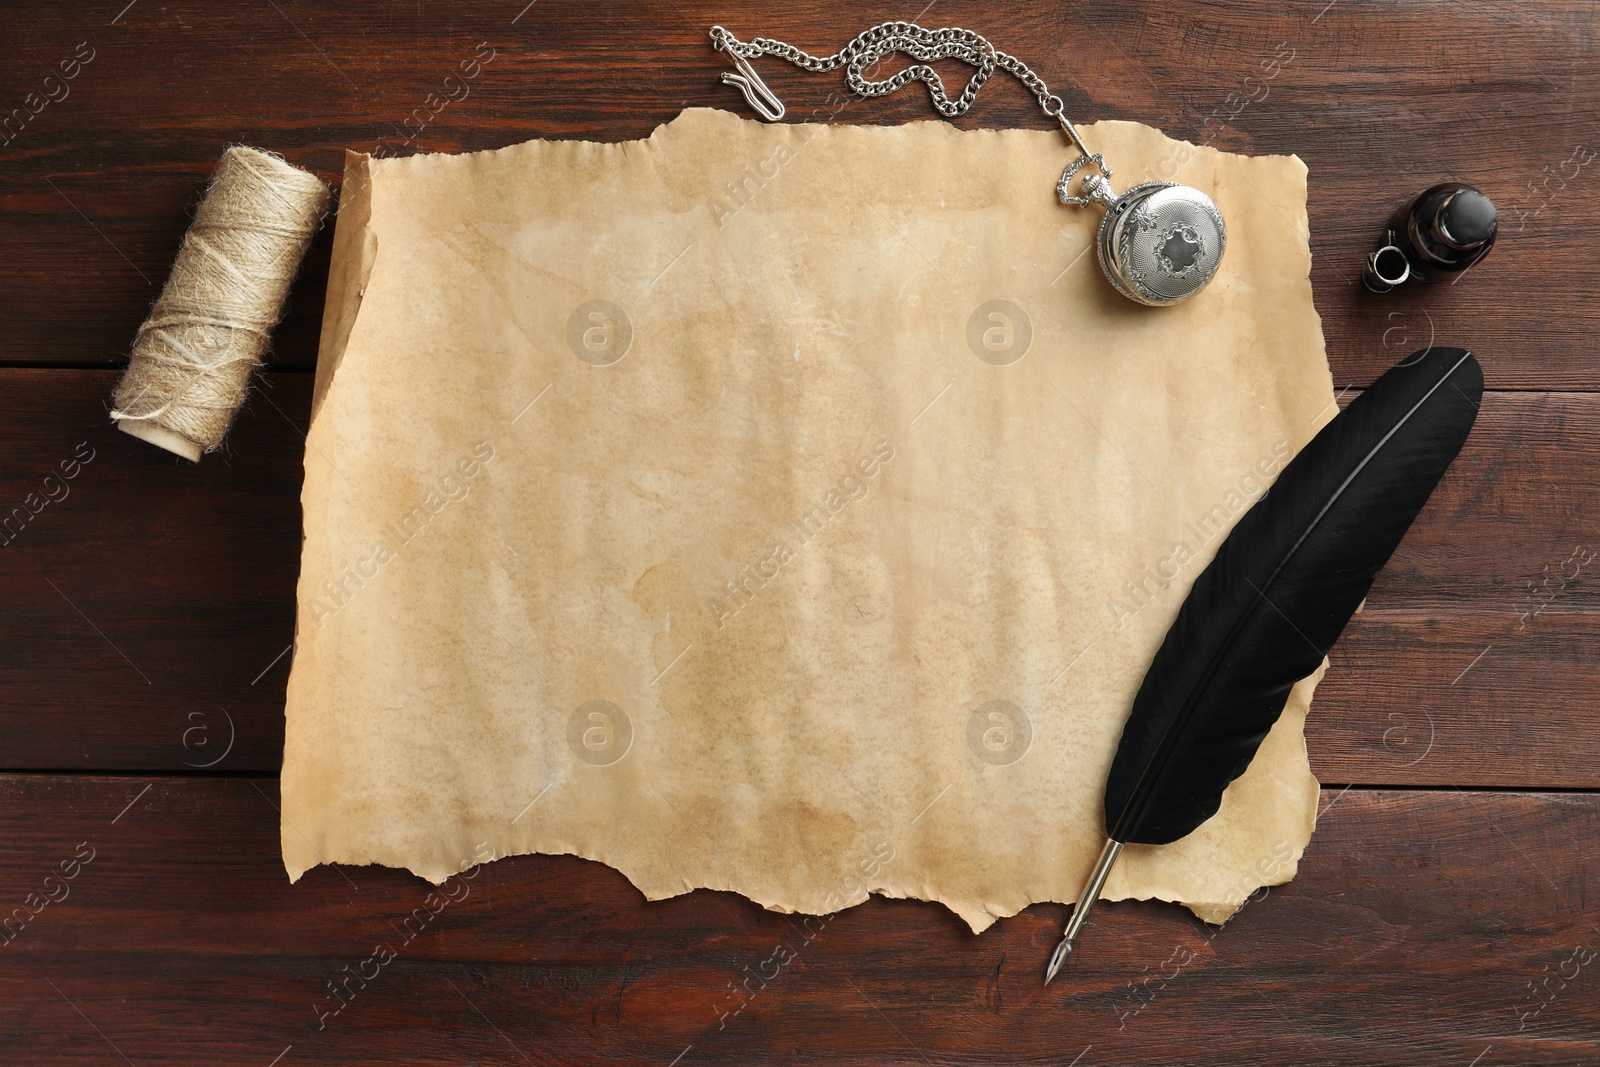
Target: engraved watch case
x=1161 y=242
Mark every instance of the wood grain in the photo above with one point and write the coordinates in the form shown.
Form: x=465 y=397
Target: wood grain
x=181 y=942
x=146 y=610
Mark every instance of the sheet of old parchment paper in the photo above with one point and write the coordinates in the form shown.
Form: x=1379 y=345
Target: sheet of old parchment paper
x=784 y=509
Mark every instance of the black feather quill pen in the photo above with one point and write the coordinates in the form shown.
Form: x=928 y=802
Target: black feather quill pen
x=1265 y=612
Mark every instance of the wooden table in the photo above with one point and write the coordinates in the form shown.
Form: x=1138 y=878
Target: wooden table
x=1445 y=912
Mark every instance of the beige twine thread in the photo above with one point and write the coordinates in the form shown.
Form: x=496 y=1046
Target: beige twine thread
x=193 y=357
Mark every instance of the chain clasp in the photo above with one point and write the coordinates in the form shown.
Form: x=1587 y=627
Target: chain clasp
x=756 y=93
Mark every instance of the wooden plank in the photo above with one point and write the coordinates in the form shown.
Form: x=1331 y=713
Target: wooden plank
x=1474 y=661
x=96 y=187
x=148 y=608
x=1417 y=931
x=144 y=608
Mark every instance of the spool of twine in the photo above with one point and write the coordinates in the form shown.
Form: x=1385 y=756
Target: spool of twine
x=193 y=357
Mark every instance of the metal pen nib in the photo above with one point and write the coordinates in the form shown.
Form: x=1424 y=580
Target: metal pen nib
x=1080 y=912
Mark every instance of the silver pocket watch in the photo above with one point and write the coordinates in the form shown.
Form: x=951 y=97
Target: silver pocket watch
x=1159 y=243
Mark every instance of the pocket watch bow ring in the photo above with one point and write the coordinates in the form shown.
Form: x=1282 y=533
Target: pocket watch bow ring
x=1159 y=243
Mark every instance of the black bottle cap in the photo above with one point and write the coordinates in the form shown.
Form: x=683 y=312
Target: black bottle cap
x=1466 y=220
